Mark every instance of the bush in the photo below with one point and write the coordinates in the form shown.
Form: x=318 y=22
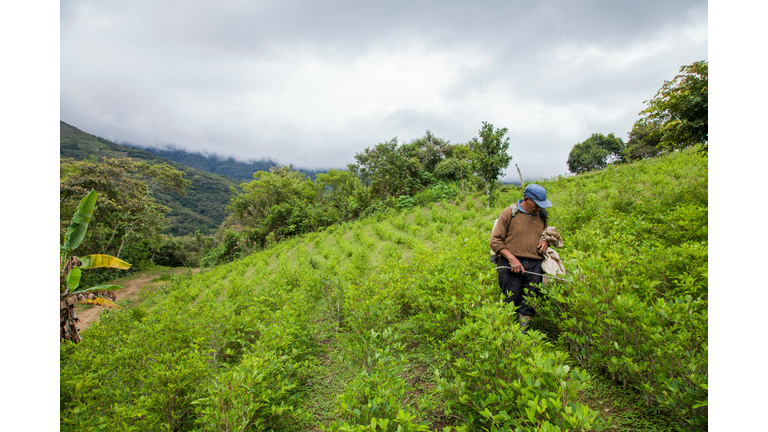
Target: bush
x=227 y=250
x=255 y=395
x=374 y=400
x=176 y=252
x=439 y=192
x=637 y=253
x=501 y=379
x=658 y=347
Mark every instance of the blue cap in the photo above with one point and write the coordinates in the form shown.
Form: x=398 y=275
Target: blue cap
x=538 y=194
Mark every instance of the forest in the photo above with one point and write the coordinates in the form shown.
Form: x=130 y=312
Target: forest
x=225 y=166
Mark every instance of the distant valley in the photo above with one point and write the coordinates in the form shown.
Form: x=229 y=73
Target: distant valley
x=204 y=206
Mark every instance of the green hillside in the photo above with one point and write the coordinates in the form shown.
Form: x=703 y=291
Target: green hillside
x=395 y=323
x=226 y=166
x=203 y=207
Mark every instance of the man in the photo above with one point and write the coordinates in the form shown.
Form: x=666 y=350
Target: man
x=517 y=241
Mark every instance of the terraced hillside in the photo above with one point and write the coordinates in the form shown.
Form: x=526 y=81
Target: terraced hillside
x=395 y=323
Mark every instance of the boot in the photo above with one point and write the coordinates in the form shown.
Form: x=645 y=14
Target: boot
x=524 y=321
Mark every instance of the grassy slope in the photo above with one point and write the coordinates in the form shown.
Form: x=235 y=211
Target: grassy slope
x=202 y=208
x=421 y=274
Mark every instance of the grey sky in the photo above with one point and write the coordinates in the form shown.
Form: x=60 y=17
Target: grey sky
x=312 y=83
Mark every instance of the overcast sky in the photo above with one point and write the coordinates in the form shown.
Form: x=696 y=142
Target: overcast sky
x=312 y=83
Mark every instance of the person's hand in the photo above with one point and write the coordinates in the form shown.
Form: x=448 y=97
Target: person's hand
x=542 y=247
x=515 y=264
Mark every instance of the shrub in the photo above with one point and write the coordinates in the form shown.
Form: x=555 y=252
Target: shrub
x=637 y=253
x=255 y=395
x=374 y=400
x=501 y=379
x=228 y=249
x=439 y=192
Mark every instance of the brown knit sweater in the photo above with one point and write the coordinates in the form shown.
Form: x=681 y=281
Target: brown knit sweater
x=519 y=234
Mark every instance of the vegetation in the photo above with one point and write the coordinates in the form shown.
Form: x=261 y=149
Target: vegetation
x=224 y=166
x=643 y=141
x=490 y=157
x=279 y=201
x=202 y=207
x=639 y=309
x=283 y=202
x=129 y=222
x=596 y=152
x=675 y=118
x=680 y=108
x=395 y=321
x=70 y=269
x=391 y=170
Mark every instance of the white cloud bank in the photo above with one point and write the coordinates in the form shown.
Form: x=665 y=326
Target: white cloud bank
x=314 y=83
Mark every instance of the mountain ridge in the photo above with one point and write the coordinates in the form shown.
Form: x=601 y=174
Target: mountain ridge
x=202 y=209
x=222 y=165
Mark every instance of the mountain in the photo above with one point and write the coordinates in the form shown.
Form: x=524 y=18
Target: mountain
x=226 y=166
x=204 y=206
x=212 y=163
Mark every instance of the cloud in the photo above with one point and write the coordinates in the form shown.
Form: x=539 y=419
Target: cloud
x=312 y=83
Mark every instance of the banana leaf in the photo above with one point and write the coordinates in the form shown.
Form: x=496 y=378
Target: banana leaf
x=98 y=260
x=101 y=302
x=98 y=288
x=73 y=279
x=79 y=225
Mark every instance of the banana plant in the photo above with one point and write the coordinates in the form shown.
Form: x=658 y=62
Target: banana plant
x=71 y=268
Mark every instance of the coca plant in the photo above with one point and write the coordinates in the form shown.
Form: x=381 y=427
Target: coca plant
x=71 y=268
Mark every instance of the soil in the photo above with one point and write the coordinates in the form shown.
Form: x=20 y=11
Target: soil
x=130 y=291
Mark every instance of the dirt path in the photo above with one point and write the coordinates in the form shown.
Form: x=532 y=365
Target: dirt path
x=131 y=287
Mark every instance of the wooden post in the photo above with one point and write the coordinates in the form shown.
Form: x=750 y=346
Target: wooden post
x=522 y=183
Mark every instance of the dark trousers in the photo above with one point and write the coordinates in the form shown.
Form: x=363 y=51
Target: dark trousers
x=517 y=286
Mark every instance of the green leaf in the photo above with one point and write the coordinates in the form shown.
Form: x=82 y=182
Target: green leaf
x=98 y=288
x=98 y=260
x=73 y=279
x=79 y=225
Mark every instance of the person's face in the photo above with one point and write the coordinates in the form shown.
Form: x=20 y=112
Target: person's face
x=533 y=208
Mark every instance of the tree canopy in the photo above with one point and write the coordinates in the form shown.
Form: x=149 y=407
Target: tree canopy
x=643 y=141
x=680 y=108
x=596 y=152
x=343 y=194
x=128 y=212
x=389 y=169
x=392 y=169
x=275 y=201
x=490 y=156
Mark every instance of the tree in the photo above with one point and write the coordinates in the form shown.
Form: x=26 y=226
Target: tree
x=280 y=201
x=342 y=193
x=70 y=268
x=643 y=141
x=389 y=169
x=596 y=152
x=680 y=107
x=128 y=212
x=429 y=150
x=456 y=166
x=393 y=170
x=490 y=156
